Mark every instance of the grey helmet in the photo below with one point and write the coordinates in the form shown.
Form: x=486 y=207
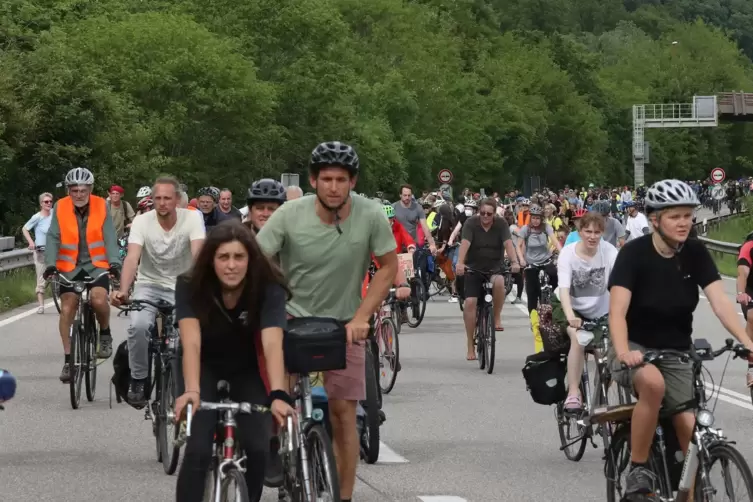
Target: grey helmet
x=79 y=176
x=536 y=210
x=602 y=207
x=670 y=193
x=334 y=153
x=266 y=190
x=207 y=191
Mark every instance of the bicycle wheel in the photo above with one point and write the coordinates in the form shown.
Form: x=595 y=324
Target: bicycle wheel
x=490 y=339
x=323 y=469
x=417 y=305
x=617 y=465
x=155 y=385
x=76 y=365
x=90 y=356
x=573 y=436
x=726 y=456
x=233 y=487
x=508 y=283
x=167 y=430
x=389 y=353
x=55 y=289
x=370 y=441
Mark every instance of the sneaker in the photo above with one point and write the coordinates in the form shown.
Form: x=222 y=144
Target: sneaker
x=515 y=300
x=65 y=375
x=105 y=347
x=640 y=485
x=273 y=476
x=136 y=396
x=453 y=299
x=40 y=310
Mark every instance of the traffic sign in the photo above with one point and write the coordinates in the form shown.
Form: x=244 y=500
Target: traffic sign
x=718 y=175
x=445 y=176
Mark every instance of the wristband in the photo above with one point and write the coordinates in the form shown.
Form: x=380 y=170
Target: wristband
x=282 y=396
x=403 y=285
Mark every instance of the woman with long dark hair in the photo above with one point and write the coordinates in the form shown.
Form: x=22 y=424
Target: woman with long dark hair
x=231 y=313
x=445 y=252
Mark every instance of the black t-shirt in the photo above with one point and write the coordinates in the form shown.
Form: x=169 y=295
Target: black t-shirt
x=227 y=339
x=664 y=290
x=487 y=246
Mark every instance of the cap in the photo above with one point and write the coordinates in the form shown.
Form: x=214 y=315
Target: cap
x=117 y=188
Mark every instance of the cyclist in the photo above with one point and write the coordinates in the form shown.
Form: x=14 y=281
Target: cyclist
x=582 y=273
x=325 y=245
x=410 y=215
x=231 y=313
x=614 y=232
x=144 y=205
x=653 y=295
x=161 y=246
x=207 y=199
x=263 y=199
x=533 y=247
x=81 y=242
x=485 y=240
x=636 y=224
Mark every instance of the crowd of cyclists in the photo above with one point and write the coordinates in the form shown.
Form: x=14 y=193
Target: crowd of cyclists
x=237 y=279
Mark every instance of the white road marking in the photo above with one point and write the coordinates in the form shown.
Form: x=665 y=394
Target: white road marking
x=744 y=397
x=441 y=498
x=23 y=315
x=388 y=456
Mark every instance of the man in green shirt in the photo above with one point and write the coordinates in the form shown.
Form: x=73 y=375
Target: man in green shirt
x=325 y=244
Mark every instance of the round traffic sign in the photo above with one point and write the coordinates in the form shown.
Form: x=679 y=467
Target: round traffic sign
x=445 y=176
x=718 y=175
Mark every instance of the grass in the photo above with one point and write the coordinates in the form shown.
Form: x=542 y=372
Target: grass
x=733 y=230
x=17 y=288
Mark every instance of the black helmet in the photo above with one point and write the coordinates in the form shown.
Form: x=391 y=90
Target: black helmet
x=266 y=190
x=334 y=153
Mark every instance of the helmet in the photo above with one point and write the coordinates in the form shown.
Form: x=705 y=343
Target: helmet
x=590 y=185
x=536 y=211
x=389 y=211
x=670 y=193
x=438 y=203
x=79 y=176
x=525 y=202
x=266 y=190
x=144 y=192
x=470 y=203
x=146 y=204
x=334 y=153
x=206 y=191
x=215 y=192
x=603 y=207
x=579 y=213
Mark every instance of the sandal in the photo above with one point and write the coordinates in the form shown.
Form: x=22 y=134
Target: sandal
x=573 y=403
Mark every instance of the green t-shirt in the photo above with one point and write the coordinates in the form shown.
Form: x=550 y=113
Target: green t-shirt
x=326 y=269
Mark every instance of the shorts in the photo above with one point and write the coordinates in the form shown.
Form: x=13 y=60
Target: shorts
x=678 y=378
x=473 y=284
x=746 y=308
x=103 y=281
x=349 y=384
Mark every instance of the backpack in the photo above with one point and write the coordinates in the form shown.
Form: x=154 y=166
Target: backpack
x=121 y=377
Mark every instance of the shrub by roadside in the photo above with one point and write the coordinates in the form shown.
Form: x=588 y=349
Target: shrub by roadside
x=17 y=288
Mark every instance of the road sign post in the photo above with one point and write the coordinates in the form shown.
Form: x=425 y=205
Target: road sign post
x=445 y=176
x=718 y=175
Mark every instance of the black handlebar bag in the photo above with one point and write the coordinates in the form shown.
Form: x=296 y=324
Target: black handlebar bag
x=313 y=344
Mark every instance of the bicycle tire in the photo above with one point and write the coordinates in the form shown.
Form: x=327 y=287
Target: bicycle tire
x=727 y=454
x=76 y=362
x=55 y=290
x=236 y=477
x=156 y=387
x=387 y=324
x=90 y=356
x=168 y=451
x=507 y=277
x=371 y=428
x=563 y=420
x=490 y=339
x=417 y=304
x=616 y=455
x=478 y=340
x=317 y=440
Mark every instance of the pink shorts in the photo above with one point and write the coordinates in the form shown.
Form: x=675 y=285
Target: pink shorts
x=349 y=384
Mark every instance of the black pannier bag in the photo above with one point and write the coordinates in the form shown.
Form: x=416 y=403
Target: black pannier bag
x=313 y=344
x=544 y=374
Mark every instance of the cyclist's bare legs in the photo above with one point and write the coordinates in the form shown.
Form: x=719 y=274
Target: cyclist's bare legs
x=649 y=385
x=469 y=318
x=345 y=443
x=498 y=294
x=101 y=305
x=68 y=304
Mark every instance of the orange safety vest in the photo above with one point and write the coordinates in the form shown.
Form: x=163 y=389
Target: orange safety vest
x=524 y=220
x=69 y=238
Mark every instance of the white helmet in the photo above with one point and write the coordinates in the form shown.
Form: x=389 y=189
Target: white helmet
x=438 y=204
x=79 y=176
x=144 y=192
x=670 y=193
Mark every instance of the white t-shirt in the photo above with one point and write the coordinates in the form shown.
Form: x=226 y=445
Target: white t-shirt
x=165 y=255
x=635 y=225
x=587 y=278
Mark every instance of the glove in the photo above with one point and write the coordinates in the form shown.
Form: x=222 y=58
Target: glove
x=49 y=272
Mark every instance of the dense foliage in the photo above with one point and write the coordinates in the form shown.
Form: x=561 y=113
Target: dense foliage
x=224 y=92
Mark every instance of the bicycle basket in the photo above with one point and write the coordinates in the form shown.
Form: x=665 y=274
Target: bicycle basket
x=314 y=344
x=544 y=374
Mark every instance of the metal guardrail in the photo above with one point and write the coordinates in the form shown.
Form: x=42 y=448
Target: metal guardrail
x=18 y=258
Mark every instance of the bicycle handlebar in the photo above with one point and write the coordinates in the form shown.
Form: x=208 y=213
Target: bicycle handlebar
x=235 y=408
x=161 y=306
x=539 y=265
x=687 y=356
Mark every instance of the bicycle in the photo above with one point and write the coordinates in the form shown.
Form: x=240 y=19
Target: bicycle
x=596 y=402
x=52 y=282
x=545 y=288
x=388 y=345
x=228 y=461
x=369 y=422
x=84 y=339
x=706 y=447
x=164 y=376
x=309 y=468
x=485 y=335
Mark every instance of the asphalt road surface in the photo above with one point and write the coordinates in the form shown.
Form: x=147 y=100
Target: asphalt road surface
x=453 y=433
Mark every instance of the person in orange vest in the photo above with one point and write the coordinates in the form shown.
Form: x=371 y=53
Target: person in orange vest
x=82 y=245
x=524 y=217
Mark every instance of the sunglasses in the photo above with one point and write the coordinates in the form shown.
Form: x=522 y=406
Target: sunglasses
x=46 y=202
x=486 y=213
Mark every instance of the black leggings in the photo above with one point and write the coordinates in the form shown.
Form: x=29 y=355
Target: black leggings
x=518 y=281
x=533 y=288
x=253 y=433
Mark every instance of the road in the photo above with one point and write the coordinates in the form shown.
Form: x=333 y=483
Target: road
x=454 y=433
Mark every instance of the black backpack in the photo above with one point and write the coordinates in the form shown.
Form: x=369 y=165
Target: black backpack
x=121 y=377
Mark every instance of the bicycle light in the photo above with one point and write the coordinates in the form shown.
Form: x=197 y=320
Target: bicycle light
x=488 y=298
x=705 y=418
x=79 y=287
